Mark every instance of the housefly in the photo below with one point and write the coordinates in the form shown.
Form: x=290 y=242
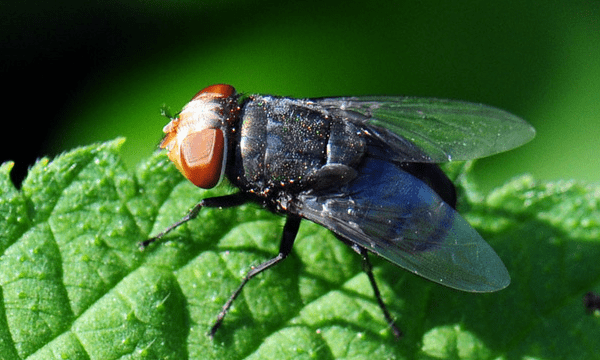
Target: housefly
x=363 y=167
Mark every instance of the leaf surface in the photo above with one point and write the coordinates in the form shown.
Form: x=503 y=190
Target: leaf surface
x=73 y=283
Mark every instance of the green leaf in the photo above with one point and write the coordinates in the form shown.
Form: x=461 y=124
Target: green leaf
x=74 y=285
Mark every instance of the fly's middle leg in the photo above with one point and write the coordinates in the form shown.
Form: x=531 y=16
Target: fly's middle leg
x=290 y=230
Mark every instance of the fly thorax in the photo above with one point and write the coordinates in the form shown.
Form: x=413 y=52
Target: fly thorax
x=285 y=143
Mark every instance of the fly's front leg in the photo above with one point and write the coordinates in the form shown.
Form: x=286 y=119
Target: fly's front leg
x=290 y=230
x=215 y=202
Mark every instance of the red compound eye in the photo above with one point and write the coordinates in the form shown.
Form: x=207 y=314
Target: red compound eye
x=201 y=157
x=219 y=90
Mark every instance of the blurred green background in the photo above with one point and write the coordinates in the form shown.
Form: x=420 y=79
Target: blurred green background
x=79 y=72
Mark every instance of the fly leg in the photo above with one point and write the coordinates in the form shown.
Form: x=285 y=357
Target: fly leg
x=369 y=270
x=215 y=202
x=290 y=230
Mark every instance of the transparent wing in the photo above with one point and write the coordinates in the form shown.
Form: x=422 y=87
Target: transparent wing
x=398 y=217
x=443 y=130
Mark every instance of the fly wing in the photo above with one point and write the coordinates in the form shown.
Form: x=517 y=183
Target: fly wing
x=397 y=216
x=442 y=130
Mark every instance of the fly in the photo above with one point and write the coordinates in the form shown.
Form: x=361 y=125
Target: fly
x=363 y=167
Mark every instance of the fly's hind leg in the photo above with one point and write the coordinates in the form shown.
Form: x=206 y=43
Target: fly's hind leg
x=368 y=269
